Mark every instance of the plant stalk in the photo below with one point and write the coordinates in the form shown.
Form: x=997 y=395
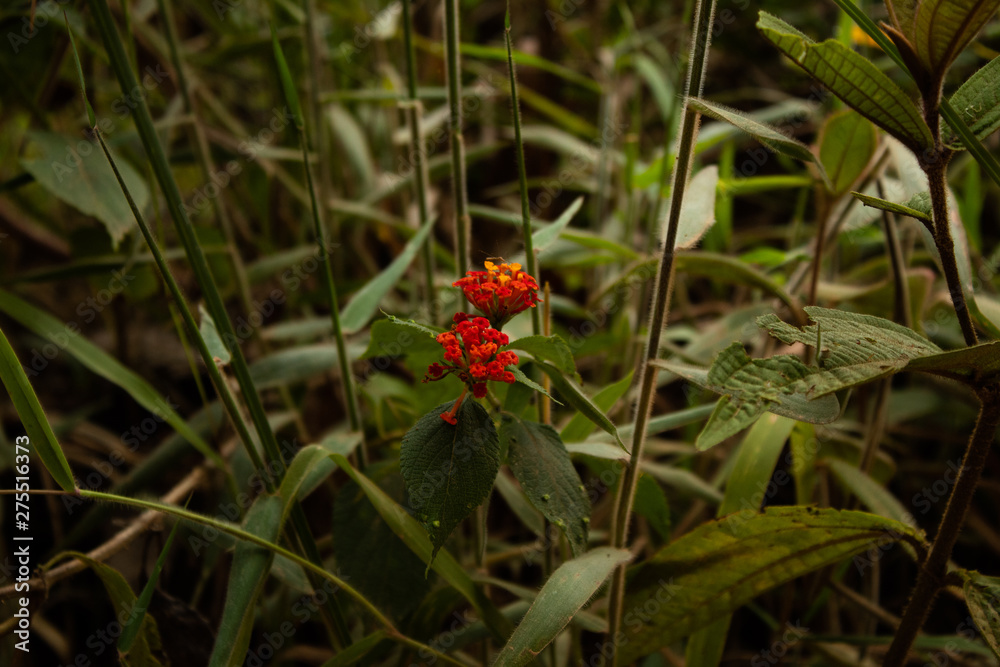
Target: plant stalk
x=697 y=65
x=459 y=186
x=933 y=571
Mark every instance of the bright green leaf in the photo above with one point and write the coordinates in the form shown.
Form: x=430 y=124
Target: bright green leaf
x=847 y=142
x=552 y=349
x=977 y=101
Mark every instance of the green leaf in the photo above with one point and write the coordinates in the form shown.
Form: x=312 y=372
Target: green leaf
x=546 y=236
x=251 y=564
x=76 y=172
x=393 y=338
x=311 y=465
x=528 y=382
x=846 y=144
x=562 y=596
x=358 y=650
x=943 y=28
x=365 y=301
x=575 y=397
x=731 y=270
x=449 y=470
x=852 y=78
x=873 y=495
x=766 y=134
x=579 y=427
x=146 y=649
x=67 y=337
x=41 y=439
x=540 y=462
x=659 y=84
x=751 y=387
x=724 y=564
x=698 y=209
x=552 y=349
x=901 y=209
x=133 y=626
x=415 y=537
x=210 y=333
x=756 y=459
x=651 y=504
x=977 y=101
x=981 y=595
x=287 y=83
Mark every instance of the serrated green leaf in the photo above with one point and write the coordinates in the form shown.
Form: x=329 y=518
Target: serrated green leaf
x=751 y=387
x=449 y=470
x=40 y=437
x=977 y=102
x=77 y=172
x=847 y=142
x=552 y=349
x=540 y=462
x=251 y=564
x=943 y=28
x=768 y=135
x=982 y=595
x=563 y=595
x=365 y=301
x=853 y=79
x=575 y=397
x=415 y=537
x=721 y=565
x=901 y=209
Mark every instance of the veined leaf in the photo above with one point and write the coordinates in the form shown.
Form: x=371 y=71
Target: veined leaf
x=901 y=209
x=449 y=469
x=768 y=135
x=751 y=387
x=251 y=564
x=981 y=595
x=523 y=379
x=365 y=301
x=846 y=144
x=977 y=101
x=540 y=462
x=853 y=79
x=943 y=28
x=723 y=564
x=562 y=596
x=552 y=349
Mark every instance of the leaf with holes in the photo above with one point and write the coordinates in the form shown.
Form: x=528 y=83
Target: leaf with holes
x=724 y=564
x=539 y=460
x=852 y=78
x=449 y=469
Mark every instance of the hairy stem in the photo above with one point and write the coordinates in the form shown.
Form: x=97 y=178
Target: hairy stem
x=697 y=65
x=459 y=186
x=932 y=574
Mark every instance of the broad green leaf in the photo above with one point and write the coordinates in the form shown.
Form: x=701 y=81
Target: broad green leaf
x=766 y=134
x=133 y=626
x=552 y=349
x=698 y=209
x=449 y=469
x=905 y=12
x=846 y=144
x=751 y=387
x=579 y=427
x=415 y=537
x=852 y=78
x=756 y=459
x=514 y=496
x=393 y=338
x=943 y=28
x=146 y=649
x=982 y=595
x=977 y=363
x=76 y=171
x=977 y=101
x=873 y=495
x=563 y=595
x=40 y=438
x=724 y=564
x=68 y=338
x=251 y=564
x=540 y=462
x=365 y=301
x=575 y=397
x=370 y=554
x=901 y=209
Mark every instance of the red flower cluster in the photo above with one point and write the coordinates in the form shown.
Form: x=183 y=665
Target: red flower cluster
x=500 y=292
x=473 y=348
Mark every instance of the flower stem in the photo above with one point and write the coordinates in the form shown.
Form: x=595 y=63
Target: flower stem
x=697 y=65
x=459 y=186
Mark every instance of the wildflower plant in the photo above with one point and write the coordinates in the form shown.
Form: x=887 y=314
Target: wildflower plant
x=451 y=457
